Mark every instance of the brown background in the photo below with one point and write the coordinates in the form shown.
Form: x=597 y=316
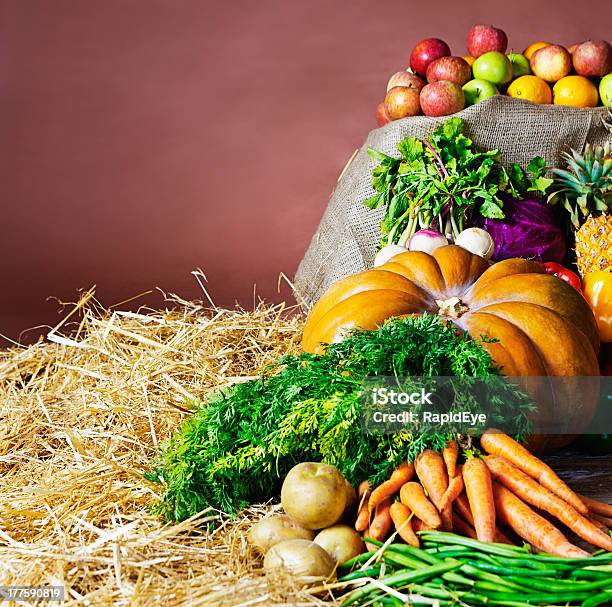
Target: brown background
x=140 y=139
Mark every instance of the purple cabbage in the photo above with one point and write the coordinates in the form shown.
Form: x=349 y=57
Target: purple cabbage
x=529 y=230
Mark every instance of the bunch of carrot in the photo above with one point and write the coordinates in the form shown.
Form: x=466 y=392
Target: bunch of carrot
x=487 y=498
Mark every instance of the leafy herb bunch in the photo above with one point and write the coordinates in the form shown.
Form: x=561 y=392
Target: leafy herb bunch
x=237 y=447
x=442 y=181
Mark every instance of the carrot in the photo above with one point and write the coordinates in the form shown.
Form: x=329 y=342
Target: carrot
x=450 y=453
x=497 y=443
x=502 y=538
x=532 y=527
x=431 y=470
x=381 y=523
x=363 y=514
x=400 y=515
x=419 y=525
x=597 y=507
x=604 y=520
x=525 y=487
x=455 y=487
x=462 y=527
x=599 y=523
x=462 y=507
x=402 y=474
x=369 y=547
x=413 y=496
x=478 y=488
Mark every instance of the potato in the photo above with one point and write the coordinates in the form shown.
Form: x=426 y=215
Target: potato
x=341 y=542
x=302 y=558
x=274 y=529
x=314 y=494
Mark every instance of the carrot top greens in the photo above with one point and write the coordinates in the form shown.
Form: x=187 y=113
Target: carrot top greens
x=238 y=445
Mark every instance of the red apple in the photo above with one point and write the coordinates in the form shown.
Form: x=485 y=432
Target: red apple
x=483 y=39
x=442 y=98
x=402 y=101
x=454 y=69
x=425 y=52
x=406 y=78
x=382 y=117
x=551 y=63
x=593 y=58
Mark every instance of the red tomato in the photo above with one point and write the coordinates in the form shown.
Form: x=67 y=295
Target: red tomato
x=556 y=269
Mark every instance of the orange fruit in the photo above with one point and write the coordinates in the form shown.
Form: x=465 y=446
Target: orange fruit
x=532 y=48
x=531 y=88
x=470 y=60
x=576 y=91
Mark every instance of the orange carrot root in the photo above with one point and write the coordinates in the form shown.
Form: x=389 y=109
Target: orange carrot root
x=431 y=470
x=527 y=489
x=462 y=527
x=462 y=505
x=532 y=527
x=479 y=490
x=413 y=497
x=381 y=524
x=603 y=520
x=362 y=521
x=419 y=525
x=369 y=546
x=502 y=538
x=598 y=523
x=450 y=455
x=402 y=474
x=455 y=487
x=400 y=515
x=497 y=443
x=597 y=507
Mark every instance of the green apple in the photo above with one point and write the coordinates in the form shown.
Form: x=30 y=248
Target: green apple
x=476 y=90
x=494 y=67
x=605 y=90
x=520 y=65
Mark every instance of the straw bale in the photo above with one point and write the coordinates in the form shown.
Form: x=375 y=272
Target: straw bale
x=81 y=416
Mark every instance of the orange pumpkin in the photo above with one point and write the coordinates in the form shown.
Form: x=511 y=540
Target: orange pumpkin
x=542 y=325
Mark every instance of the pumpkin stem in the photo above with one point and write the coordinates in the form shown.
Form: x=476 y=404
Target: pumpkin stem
x=452 y=307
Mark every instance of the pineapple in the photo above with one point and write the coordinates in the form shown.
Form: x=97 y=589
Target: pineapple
x=585 y=192
x=594 y=244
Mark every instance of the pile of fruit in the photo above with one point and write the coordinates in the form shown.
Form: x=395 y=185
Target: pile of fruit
x=438 y=83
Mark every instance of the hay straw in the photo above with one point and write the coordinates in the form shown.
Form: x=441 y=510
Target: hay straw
x=81 y=416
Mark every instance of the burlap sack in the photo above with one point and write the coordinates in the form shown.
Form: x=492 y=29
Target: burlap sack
x=345 y=241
